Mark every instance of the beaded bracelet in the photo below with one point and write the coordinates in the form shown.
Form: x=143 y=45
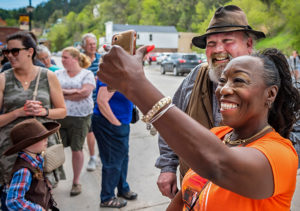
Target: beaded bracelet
x=150 y=127
x=156 y=117
x=156 y=108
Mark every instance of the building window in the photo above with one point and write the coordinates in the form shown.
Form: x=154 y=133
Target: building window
x=138 y=36
x=150 y=37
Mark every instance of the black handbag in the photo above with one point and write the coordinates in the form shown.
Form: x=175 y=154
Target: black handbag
x=135 y=115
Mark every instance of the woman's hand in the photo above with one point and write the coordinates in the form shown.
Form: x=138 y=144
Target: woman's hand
x=34 y=108
x=117 y=123
x=122 y=71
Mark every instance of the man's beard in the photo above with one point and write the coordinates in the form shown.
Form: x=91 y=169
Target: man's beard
x=215 y=70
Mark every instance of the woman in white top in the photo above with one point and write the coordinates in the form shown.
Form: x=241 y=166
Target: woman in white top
x=77 y=85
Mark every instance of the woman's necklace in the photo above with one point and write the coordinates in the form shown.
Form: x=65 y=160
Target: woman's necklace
x=243 y=141
x=29 y=78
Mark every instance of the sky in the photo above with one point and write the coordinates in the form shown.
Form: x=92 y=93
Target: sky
x=15 y=4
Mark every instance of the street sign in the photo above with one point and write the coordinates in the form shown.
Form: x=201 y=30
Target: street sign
x=24 y=22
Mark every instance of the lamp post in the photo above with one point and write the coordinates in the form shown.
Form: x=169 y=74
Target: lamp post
x=29 y=10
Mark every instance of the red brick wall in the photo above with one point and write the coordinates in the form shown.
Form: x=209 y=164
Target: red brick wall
x=4 y=31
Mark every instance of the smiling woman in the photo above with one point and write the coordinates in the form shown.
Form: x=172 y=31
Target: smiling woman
x=16 y=93
x=258 y=105
x=250 y=89
x=239 y=92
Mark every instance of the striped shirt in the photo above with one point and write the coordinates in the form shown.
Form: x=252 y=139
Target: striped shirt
x=94 y=68
x=20 y=184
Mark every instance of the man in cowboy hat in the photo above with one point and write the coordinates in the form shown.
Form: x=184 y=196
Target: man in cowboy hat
x=227 y=36
x=29 y=189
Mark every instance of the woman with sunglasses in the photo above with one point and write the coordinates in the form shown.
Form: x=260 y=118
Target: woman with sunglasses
x=7 y=65
x=250 y=164
x=16 y=93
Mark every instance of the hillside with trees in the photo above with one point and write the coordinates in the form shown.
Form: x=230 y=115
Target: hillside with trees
x=279 y=19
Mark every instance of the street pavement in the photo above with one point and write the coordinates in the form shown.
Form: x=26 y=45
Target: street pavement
x=142 y=174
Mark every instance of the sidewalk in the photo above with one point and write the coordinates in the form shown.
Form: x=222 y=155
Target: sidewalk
x=142 y=176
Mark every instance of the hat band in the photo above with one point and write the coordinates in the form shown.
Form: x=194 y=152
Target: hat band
x=222 y=26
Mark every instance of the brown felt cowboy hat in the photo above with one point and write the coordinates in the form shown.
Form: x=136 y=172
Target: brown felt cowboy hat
x=29 y=132
x=227 y=19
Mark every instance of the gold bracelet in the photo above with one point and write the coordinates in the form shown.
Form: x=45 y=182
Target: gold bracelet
x=156 y=108
x=156 y=117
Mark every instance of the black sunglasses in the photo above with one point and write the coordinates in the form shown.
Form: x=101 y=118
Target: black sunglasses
x=13 y=51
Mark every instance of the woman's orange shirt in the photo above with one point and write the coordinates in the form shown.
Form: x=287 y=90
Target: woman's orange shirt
x=284 y=162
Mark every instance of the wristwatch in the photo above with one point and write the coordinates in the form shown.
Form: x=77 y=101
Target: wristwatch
x=47 y=111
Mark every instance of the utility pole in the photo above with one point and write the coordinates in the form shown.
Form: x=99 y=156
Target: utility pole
x=30 y=16
x=29 y=10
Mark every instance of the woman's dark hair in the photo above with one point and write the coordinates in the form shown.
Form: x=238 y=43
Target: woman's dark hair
x=27 y=38
x=285 y=109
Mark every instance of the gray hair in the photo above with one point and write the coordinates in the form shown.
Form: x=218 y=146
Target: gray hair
x=87 y=35
x=42 y=49
x=251 y=35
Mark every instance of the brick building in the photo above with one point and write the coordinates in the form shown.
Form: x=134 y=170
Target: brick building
x=5 y=30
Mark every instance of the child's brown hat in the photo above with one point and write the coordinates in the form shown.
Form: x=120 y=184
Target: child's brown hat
x=29 y=132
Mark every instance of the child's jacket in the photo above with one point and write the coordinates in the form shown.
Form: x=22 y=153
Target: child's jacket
x=39 y=187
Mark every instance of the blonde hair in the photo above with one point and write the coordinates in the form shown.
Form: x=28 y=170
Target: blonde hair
x=83 y=60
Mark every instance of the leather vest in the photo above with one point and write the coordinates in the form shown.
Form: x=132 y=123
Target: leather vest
x=200 y=107
x=39 y=191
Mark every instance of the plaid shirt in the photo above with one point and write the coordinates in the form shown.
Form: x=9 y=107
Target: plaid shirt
x=20 y=184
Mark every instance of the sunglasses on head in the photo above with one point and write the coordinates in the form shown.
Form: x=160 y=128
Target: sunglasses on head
x=13 y=51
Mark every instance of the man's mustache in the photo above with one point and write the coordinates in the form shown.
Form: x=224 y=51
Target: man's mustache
x=220 y=56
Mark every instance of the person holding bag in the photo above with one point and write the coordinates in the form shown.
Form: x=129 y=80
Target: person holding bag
x=54 y=156
x=16 y=94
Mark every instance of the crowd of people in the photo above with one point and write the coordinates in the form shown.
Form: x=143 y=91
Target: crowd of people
x=68 y=95
x=231 y=131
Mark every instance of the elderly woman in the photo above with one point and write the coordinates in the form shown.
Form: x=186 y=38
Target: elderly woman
x=44 y=55
x=77 y=84
x=248 y=164
x=16 y=92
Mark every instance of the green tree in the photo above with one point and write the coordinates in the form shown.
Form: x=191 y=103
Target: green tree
x=277 y=18
x=187 y=11
x=150 y=12
x=12 y=22
x=291 y=11
x=58 y=37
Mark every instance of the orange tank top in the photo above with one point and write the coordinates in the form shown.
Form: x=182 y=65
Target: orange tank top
x=284 y=162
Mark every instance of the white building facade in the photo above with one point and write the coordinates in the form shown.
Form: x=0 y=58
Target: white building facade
x=165 y=38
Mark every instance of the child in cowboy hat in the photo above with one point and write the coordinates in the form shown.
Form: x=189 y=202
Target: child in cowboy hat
x=29 y=189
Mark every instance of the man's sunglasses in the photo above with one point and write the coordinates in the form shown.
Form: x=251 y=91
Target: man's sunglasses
x=13 y=51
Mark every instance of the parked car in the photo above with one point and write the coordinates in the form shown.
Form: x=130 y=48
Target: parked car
x=162 y=57
x=179 y=63
x=152 y=57
x=202 y=58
